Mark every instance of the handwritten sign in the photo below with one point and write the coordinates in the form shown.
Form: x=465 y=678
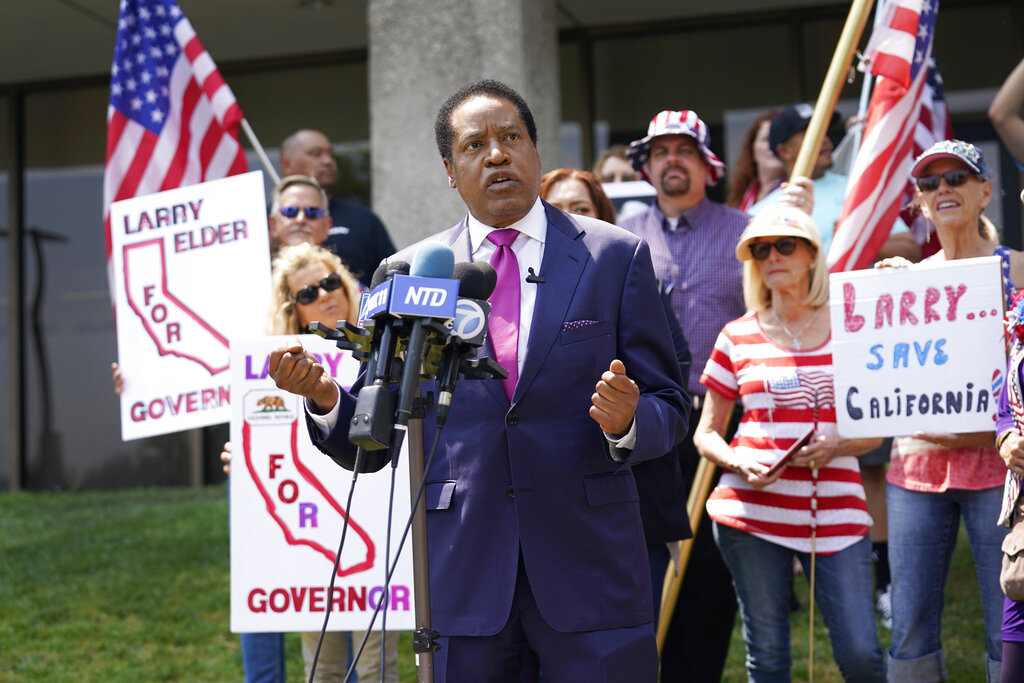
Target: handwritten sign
x=191 y=273
x=918 y=348
x=288 y=505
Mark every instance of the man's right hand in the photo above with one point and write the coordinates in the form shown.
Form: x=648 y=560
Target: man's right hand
x=297 y=371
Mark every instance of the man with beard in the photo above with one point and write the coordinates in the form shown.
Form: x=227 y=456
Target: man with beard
x=693 y=242
x=356 y=234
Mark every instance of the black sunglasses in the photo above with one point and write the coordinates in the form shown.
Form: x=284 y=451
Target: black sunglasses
x=761 y=250
x=954 y=178
x=293 y=211
x=309 y=293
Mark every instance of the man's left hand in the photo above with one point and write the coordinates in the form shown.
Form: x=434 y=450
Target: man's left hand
x=615 y=400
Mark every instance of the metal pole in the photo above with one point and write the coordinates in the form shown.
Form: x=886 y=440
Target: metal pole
x=420 y=564
x=16 y=363
x=258 y=148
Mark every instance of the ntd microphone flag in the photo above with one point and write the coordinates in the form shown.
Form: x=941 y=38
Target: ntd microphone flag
x=424 y=297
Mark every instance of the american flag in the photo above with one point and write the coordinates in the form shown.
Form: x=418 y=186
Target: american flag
x=899 y=122
x=172 y=120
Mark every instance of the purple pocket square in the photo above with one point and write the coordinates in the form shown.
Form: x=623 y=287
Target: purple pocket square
x=576 y=324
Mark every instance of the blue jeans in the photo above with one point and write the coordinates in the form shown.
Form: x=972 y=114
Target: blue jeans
x=263 y=657
x=922 y=534
x=762 y=573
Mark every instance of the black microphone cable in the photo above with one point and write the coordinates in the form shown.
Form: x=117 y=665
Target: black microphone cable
x=337 y=563
x=398 y=553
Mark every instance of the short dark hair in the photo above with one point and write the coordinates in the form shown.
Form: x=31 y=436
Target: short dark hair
x=443 y=132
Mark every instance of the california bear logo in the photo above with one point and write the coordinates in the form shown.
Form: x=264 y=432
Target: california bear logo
x=271 y=403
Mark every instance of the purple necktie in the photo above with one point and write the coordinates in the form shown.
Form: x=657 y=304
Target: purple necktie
x=503 y=325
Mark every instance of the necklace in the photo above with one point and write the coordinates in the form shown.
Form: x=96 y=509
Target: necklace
x=795 y=337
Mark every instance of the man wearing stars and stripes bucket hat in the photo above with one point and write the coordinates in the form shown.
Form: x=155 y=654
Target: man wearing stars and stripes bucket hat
x=692 y=242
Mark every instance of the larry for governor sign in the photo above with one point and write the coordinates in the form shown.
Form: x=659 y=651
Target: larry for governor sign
x=918 y=348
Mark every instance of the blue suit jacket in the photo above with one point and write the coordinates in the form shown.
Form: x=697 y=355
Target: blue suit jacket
x=536 y=476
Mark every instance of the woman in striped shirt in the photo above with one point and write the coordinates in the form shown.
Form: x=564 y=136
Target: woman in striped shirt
x=777 y=361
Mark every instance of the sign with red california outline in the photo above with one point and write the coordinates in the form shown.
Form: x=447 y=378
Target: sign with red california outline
x=289 y=504
x=191 y=272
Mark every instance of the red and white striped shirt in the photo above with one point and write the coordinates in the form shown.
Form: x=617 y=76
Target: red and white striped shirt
x=778 y=388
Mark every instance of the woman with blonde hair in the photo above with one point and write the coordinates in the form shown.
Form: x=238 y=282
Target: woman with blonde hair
x=776 y=360
x=310 y=283
x=934 y=480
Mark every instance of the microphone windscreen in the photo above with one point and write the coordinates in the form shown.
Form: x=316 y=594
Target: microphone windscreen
x=433 y=259
x=477 y=281
x=387 y=270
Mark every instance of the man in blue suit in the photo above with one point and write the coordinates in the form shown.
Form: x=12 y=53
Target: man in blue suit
x=536 y=549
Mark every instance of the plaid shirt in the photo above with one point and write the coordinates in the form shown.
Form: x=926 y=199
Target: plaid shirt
x=698 y=262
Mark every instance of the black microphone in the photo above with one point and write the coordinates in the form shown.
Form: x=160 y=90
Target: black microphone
x=373 y=419
x=532 y=278
x=469 y=329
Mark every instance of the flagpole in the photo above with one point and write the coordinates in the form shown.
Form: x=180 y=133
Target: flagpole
x=258 y=148
x=833 y=83
x=865 y=88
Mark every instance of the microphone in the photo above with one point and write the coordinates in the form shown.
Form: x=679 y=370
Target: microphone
x=469 y=329
x=532 y=278
x=373 y=419
x=427 y=295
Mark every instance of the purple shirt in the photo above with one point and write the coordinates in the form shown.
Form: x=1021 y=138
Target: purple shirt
x=698 y=261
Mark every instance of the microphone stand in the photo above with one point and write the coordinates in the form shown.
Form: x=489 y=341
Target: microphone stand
x=424 y=640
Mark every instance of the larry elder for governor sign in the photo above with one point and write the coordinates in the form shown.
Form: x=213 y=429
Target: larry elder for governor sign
x=918 y=348
x=191 y=273
x=288 y=505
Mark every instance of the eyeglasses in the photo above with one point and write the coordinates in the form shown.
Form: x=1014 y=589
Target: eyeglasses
x=293 y=211
x=761 y=250
x=954 y=178
x=309 y=293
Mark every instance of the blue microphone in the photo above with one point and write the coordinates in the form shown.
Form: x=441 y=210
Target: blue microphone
x=429 y=296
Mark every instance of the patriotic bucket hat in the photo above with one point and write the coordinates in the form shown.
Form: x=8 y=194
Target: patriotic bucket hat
x=952 y=149
x=684 y=122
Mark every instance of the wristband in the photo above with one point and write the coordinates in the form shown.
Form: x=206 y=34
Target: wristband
x=1003 y=437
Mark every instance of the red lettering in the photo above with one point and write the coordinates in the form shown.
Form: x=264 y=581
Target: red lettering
x=241 y=230
x=883 y=311
x=292 y=495
x=316 y=599
x=191 y=402
x=279 y=605
x=163 y=217
x=275 y=458
x=907 y=300
x=853 y=323
x=338 y=600
x=208 y=397
x=931 y=297
x=953 y=298
x=138 y=412
x=298 y=598
x=254 y=605
x=359 y=599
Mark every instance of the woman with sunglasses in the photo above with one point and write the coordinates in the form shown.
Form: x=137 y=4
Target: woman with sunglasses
x=935 y=479
x=777 y=361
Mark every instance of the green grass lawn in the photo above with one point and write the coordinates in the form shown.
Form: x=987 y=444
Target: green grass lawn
x=132 y=585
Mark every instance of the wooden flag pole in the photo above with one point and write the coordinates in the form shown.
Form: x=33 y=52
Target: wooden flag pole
x=829 y=95
x=674 y=580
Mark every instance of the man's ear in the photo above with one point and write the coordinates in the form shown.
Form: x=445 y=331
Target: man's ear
x=448 y=170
